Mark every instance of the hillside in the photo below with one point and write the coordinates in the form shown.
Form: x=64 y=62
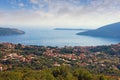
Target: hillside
x=111 y=31
x=10 y=31
x=25 y=62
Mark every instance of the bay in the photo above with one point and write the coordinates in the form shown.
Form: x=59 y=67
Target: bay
x=51 y=37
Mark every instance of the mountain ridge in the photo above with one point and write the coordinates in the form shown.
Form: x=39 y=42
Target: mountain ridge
x=110 y=31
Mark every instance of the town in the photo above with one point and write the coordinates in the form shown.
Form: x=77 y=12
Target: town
x=97 y=59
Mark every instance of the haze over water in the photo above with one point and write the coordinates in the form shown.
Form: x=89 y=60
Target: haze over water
x=51 y=37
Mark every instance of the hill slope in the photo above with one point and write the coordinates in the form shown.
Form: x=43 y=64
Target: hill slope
x=10 y=31
x=112 y=31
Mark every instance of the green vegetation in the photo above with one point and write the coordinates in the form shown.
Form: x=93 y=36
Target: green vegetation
x=56 y=73
x=20 y=62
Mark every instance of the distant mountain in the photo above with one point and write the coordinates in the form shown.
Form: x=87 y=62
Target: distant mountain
x=10 y=31
x=69 y=29
x=111 y=31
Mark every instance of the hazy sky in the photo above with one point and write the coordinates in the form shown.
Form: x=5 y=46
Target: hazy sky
x=59 y=13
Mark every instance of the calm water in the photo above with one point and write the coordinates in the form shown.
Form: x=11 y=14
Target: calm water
x=50 y=37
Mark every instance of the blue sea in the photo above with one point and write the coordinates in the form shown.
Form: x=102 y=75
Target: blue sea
x=60 y=38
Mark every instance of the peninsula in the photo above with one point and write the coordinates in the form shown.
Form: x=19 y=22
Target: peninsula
x=109 y=31
x=69 y=29
x=10 y=31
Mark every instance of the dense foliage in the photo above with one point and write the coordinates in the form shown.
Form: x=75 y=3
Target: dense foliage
x=56 y=73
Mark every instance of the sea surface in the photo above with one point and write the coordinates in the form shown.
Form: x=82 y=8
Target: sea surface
x=60 y=38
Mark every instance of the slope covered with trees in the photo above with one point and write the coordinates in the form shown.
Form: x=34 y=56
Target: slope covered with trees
x=56 y=73
x=111 y=31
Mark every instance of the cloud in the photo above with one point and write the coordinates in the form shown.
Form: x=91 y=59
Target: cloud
x=83 y=13
x=21 y=5
x=34 y=1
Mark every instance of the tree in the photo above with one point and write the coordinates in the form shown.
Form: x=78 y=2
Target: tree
x=82 y=74
x=102 y=77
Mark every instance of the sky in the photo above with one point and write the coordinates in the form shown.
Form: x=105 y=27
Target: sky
x=59 y=13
